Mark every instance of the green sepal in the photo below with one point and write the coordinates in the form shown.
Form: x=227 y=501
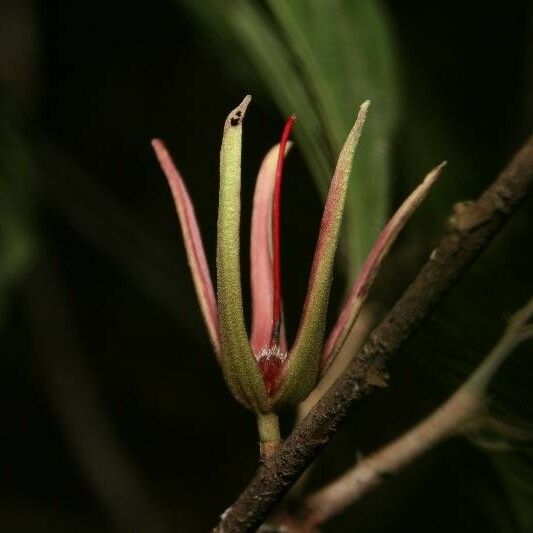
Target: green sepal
x=238 y=362
x=302 y=370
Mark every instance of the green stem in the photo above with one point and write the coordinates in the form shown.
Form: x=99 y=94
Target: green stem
x=269 y=434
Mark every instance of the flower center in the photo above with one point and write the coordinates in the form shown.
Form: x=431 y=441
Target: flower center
x=270 y=362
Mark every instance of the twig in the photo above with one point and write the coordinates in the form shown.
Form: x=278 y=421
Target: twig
x=474 y=224
x=450 y=419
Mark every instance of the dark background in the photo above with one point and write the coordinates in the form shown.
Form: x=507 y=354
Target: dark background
x=114 y=413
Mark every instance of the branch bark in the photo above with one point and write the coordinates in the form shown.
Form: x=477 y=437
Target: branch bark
x=474 y=225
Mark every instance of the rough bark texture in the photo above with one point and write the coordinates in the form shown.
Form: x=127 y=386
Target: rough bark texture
x=474 y=224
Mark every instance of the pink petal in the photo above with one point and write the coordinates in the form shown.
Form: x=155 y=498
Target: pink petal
x=366 y=277
x=261 y=260
x=193 y=243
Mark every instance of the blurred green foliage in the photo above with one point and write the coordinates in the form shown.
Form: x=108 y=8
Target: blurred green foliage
x=17 y=243
x=321 y=60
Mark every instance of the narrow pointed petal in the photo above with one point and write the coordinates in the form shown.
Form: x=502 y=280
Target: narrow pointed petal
x=261 y=261
x=276 y=230
x=301 y=371
x=366 y=277
x=193 y=243
x=239 y=365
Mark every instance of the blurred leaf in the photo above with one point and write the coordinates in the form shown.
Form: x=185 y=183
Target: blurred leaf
x=322 y=60
x=118 y=233
x=16 y=240
x=516 y=472
x=344 y=52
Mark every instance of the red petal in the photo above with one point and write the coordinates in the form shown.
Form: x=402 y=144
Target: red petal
x=276 y=223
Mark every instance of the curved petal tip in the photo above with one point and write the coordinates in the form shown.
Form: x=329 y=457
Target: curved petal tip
x=235 y=117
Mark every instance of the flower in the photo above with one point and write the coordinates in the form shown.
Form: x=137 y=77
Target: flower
x=262 y=372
